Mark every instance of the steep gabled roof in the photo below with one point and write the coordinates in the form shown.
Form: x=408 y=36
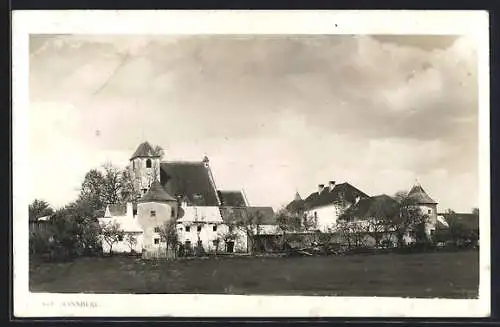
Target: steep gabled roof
x=343 y=192
x=266 y=214
x=296 y=206
x=232 y=198
x=380 y=207
x=144 y=150
x=157 y=193
x=189 y=180
x=418 y=195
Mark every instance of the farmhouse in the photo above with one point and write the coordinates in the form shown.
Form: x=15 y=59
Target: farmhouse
x=186 y=192
x=326 y=204
x=331 y=202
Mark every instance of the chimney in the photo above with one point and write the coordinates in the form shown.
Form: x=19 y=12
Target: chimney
x=130 y=210
x=205 y=161
x=320 y=188
x=331 y=185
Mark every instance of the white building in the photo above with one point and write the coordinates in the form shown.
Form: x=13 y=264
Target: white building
x=184 y=191
x=326 y=204
x=132 y=240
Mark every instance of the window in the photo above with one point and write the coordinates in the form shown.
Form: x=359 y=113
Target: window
x=153 y=213
x=157 y=229
x=148 y=163
x=214 y=228
x=188 y=228
x=429 y=211
x=157 y=241
x=200 y=243
x=135 y=212
x=120 y=238
x=198 y=228
x=187 y=243
x=133 y=164
x=172 y=212
x=433 y=232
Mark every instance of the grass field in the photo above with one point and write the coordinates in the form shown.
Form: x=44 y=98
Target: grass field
x=450 y=275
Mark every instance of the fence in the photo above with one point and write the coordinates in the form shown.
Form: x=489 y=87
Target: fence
x=161 y=253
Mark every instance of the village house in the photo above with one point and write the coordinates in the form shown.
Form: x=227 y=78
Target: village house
x=334 y=201
x=325 y=206
x=186 y=192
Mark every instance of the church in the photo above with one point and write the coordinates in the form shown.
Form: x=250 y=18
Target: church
x=184 y=191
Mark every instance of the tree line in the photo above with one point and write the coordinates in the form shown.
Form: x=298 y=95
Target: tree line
x=386 y=224
x=73 y=230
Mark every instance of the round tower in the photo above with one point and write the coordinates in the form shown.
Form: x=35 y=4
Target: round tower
x=145 y=167
x=427 y=205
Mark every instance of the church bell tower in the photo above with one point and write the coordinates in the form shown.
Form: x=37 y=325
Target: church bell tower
x=145 y=167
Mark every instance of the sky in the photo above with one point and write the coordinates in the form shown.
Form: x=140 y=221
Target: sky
x=275 y=114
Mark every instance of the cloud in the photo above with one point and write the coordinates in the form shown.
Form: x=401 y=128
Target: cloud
x=282 y=112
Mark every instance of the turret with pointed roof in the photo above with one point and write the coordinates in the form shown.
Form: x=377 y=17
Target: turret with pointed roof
x=419 y=196
x=157 y=193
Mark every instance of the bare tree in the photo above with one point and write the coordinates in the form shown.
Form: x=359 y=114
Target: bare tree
x=158 y=151
x=248 y=222
x=129 y=186
x=112 y=183
x=288 y=221
x=376 y=229
x=410 y=221
x=169 y=235
x=112 y=234
x=131 y=242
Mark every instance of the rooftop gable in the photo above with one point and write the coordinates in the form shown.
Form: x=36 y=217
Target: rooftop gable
x=379 y=206
x=343 y=192
x=266 y=214
x=144 y=150
x=232 y=198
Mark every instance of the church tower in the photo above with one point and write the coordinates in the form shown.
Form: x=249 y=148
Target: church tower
x=144 y=167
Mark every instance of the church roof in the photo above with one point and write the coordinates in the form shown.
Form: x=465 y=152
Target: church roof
x=418 y=195
x=157 y=193
x=232 y=198
x=340 y=192
x=144 y=150
x=191 y=180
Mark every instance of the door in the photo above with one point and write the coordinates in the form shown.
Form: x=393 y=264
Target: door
x=230 y=247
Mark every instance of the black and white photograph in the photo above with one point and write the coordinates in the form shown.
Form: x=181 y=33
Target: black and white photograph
x=223 y=165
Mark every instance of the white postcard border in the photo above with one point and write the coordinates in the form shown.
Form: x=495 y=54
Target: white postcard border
x=28 y=304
